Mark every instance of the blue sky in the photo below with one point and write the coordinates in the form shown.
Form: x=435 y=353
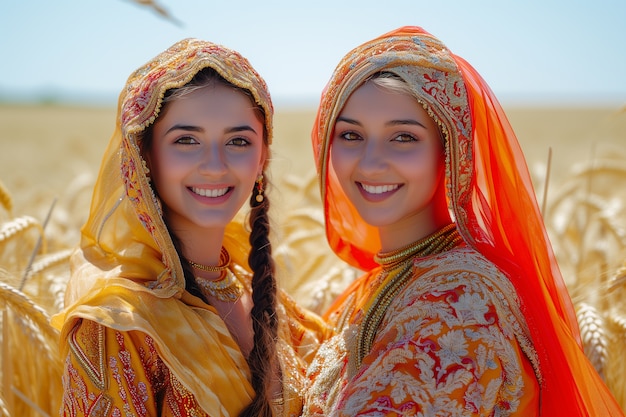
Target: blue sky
x=531 y=51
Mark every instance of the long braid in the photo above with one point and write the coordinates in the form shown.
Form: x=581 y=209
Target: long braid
x=262 y=359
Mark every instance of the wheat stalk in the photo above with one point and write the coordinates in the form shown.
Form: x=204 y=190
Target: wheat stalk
x=48 y=261
x=592 y=331
x=544 y=200
x=33 y=317
x=17 y=227
x=26 y=333
x=160 y=10
x=5 y=198
x=616 y=326
x=3 y=408
x=6 y=360
x=37 y=246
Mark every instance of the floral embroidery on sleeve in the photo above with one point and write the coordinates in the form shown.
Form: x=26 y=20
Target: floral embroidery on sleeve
x=108 y=372
x=448 y=354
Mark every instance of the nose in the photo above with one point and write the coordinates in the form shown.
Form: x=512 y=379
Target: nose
x=212 y=161
x=373 y=158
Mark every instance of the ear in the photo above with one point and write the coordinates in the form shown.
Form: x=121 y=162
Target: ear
x=262 y=162
x=147 y=164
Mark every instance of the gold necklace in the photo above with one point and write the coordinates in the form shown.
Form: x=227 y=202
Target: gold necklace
x=226 y=288
x=399 y=265
x=439 y=241
x=223 y=265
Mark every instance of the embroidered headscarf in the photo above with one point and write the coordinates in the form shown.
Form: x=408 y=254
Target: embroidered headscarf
x=490 y=196
x=127 y=261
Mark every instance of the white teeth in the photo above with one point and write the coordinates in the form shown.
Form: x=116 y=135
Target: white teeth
x=210 y=193
x=379 y=189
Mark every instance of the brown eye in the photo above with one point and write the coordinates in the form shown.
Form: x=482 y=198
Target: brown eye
x=405 y=137
x=239 y=142
x=350 y=136
x=186 y=140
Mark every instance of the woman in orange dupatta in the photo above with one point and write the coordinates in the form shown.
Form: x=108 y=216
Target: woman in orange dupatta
x=169 y=310
x=462 y=309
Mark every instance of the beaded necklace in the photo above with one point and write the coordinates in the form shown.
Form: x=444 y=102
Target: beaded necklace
x=398 y=265
x=224 y=263
x=226 y=288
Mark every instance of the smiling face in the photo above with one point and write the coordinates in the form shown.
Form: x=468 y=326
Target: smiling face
x=207 y=151
x=388 y=156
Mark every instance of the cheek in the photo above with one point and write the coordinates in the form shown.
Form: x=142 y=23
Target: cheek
x=166 y=169
x=436 y=173
x=247 y=167
x=168 y=166
x=425 y=169
x=341 y=161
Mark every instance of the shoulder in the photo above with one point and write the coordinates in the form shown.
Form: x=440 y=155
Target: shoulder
x=95 y=348
x=462 y=289
x=458 y=279
x=462 y=259
x=106 y=369
x=465 y=270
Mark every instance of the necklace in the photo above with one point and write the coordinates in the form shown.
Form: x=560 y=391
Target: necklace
x=398 y=265
x=223 y=265
x=226 y=288
x=440 y=241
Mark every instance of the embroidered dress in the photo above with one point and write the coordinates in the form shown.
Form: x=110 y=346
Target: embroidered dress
x=135 y=342
x=108 y=371
x=452 y=342
x=484 y=328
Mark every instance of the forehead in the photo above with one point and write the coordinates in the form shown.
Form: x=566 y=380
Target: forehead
x=372 y=99
x=215 y=101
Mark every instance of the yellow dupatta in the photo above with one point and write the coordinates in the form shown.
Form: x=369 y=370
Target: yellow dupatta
x=126 y=275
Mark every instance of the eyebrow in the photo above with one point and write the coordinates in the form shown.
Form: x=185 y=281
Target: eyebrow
x=191 y=128
x=389 y=123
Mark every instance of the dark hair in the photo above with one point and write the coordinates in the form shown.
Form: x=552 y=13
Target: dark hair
x=262 y=359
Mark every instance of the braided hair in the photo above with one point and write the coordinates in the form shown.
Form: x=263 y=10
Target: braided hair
x=262 y=359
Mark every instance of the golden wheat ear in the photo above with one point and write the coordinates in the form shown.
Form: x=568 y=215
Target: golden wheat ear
x=27 y=333
x=17 y=227
x=593 y=333
x=5 y=199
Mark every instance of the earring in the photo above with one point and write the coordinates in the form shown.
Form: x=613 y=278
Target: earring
x=259 y=188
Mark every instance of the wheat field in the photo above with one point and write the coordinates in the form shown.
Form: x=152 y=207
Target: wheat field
x=50 y=155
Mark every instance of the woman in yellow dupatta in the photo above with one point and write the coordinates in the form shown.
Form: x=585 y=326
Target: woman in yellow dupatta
x=462 y=310
x=169 y=310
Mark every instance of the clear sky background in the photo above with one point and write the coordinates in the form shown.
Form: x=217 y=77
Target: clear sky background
x=529 y=51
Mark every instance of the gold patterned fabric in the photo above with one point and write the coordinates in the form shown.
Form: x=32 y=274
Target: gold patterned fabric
x=487 y=328
x=108 y=370
x=456 y=306
x=135 y=342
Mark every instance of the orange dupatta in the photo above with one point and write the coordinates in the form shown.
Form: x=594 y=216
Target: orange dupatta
x=490 y=195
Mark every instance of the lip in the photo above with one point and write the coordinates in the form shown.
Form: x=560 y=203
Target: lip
x=377 y=192
x=212 y=195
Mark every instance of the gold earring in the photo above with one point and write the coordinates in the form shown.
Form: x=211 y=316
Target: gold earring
x=259 y=188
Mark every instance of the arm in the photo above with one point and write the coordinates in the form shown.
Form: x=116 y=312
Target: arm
x=107 y=370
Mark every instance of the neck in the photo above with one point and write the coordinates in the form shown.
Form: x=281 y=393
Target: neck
x=202 y=247
x=416 y=227
x=441 y=240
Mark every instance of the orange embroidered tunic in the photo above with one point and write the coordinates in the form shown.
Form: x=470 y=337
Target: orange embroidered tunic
x=452 y=342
